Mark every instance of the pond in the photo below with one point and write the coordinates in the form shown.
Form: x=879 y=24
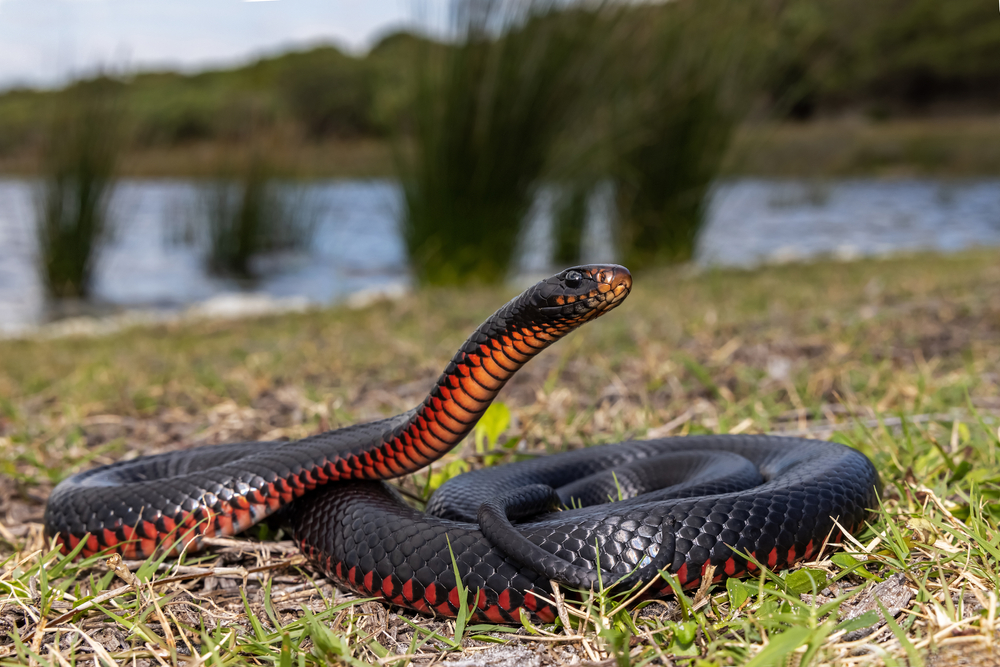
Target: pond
x=357 y=248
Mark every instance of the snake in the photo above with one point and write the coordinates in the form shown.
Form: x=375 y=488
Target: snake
x=607 y=517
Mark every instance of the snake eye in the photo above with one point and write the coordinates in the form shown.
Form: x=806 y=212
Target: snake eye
x=573 y=279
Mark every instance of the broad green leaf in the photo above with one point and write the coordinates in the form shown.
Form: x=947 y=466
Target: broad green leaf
x=685 y=632
x=844 y=560
x=738 y=593
x=851 y=564
x=805 y=581
x=778 y=647
x=494 y=422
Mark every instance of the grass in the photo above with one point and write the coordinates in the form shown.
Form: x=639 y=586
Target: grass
x=897 y=358
x=963 y=146
x=949 y=147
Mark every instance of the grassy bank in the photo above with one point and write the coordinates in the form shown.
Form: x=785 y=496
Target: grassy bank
x=943 y=147
x=895 y=357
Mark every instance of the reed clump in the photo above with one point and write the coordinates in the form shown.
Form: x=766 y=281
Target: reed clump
x=81 y=151
x=644 y=98
x=245 y=213
x=485 y=116
x=685 y=91
x=569 y=217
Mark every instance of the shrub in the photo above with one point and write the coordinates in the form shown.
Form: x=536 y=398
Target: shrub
x=328 y=93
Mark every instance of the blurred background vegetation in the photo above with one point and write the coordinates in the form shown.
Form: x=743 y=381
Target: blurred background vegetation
x=659 y=100
x=79 y=155
x=880 y=61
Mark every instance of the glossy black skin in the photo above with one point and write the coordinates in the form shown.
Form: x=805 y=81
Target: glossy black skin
x=772 y=498
x=769 y=497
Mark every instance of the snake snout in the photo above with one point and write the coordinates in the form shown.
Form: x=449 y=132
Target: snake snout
x=615 y=276
x=618 y=280
x=614 y=282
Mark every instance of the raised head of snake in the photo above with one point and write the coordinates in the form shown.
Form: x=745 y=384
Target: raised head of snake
x=136 y=506
x=552 y=308
x=582 y=293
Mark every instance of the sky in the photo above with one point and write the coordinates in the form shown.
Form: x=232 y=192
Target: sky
x=45 y=42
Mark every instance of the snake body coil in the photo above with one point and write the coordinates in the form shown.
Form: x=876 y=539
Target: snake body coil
x=681 y=504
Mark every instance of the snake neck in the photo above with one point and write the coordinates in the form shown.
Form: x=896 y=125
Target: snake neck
x=466 y=388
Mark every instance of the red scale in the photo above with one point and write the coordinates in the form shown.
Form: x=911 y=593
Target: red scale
x=408 y=590
x=494 y=615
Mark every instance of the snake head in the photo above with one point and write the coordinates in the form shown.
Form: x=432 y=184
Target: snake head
x=582 y=293
x=549 y=310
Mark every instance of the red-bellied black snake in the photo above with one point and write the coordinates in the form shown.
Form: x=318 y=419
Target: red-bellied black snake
x=680 y=504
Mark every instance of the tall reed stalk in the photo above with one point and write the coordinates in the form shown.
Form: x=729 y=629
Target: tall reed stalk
x=687 y=86
x=486 y=114
x=664 y=182
x=78 y=178
x=569 y=217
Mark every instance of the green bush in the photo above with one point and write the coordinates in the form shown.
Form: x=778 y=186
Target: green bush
x=888 y=57
x=20 y=119
x=894 y=56
x=328 y=93
x=180 y=120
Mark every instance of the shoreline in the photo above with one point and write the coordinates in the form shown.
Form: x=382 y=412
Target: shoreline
x=227 y=306
x=243 y=306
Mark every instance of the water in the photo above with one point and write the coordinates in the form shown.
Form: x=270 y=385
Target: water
x=358 y=248
x=756 y=221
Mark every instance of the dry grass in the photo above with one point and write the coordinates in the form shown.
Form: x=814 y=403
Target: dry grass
x=898 y=358
x=946 y=147
x=855 y=146
x=354 y=158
